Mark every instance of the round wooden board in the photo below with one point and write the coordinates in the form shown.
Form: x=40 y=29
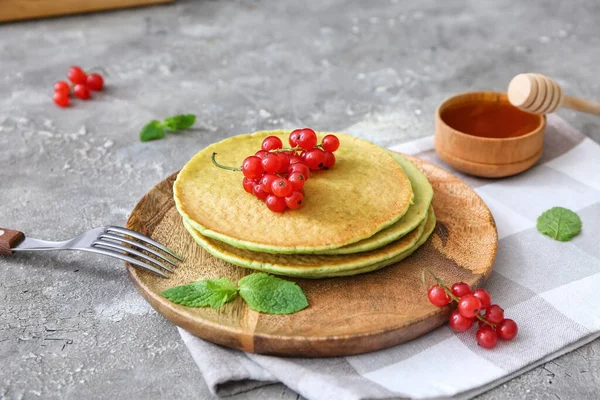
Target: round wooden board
x=349 y=315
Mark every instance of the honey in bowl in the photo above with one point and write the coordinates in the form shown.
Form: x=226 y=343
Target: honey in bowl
x=489 y=119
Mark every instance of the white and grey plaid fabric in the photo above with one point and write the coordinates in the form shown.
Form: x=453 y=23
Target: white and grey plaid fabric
x=548 y=287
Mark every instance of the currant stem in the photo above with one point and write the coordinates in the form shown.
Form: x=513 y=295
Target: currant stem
x=222 y=166
x=285 y=149
x=97 y=69
x=485 y=321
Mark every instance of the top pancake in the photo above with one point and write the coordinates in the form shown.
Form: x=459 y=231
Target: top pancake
x=365 y=192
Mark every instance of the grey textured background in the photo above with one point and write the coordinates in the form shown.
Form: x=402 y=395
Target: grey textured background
x=71 y=325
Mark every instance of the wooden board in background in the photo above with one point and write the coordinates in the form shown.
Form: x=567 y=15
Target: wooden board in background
x=347 y=315
x=13 y=10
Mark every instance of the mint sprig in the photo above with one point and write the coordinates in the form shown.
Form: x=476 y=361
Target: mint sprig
x=155 y=129
x=559 y=223
x=262 y=292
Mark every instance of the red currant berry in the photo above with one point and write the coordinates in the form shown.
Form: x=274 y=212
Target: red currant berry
x=82 y=92
x=252 y=167
x=258 y=191
x=469 y=306
x=76 y=75
x=62 y=86
x=271 y=143
x=507 y=329
x=248 y=184
x=261 y=154
x=300 y=167
x=295 y=159
x=460 y=289
x=438 y=296
x=460 y=323
x=276 y=204
x=486 y=337
x=297 y=180
x=95 y=82
x=315 y=159
x=307 y=139
x=329 y=160
x=266 y=181
x=281 y=187
x=294 y=137
x=61 y=99
x=271 y=163
x=330 y=143
x=484 y=297
x=284 y=162
x=494 y=314
x=294 y=200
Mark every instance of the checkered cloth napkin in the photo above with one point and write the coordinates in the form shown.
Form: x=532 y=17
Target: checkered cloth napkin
x=550 y=288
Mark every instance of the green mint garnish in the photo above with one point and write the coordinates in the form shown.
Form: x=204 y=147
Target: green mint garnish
x=152 y=131
x=156 y=129
x=212 y=292
x=559 y=223
x=262 y=292
x=271 y=295
x=179 y=122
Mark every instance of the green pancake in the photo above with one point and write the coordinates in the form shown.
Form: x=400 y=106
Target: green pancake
x=365 y=192
x=319 y=266
x=417 y=212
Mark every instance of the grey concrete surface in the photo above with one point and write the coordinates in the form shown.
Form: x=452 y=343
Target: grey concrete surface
x=71 y=325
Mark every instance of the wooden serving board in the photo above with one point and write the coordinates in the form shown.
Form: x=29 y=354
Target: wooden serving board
x=347 y=315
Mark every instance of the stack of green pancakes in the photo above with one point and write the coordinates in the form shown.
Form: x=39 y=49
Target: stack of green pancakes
x=371 y=210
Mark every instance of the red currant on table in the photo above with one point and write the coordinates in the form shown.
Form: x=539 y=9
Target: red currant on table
x=95 y=82
x=459 y=322
x=330 y=143
x=300 y=167
x=82 y=91
x=271 y=143
x=460 y=289
x=494 y=314
x=261 y=154
x=294 y=137
x=258 y=191
x=507 y=329
x=271 y=163
x=62 y=86
x=438 y=296
x=266 y=181
x=294 y=200
x=469 y=306
x=252 y=167
x=329 y=160
x=284 y=162
x=61 y=99
x=307 y=139
x=76 y=75
x=294 y=158
x=484 y=297
x=487 y=337
x=276 y=204
x=315 y=159
x=297 y=180
x=248 y=184
x=281 y=187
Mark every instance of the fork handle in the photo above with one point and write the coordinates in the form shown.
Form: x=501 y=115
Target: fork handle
x=9 y=238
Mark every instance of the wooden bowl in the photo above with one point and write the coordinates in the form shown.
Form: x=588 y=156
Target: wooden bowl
x=489 y=157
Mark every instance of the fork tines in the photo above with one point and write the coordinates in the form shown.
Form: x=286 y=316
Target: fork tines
x=110 y=242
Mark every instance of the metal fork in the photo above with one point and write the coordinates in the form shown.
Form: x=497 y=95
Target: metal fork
x=107 y=240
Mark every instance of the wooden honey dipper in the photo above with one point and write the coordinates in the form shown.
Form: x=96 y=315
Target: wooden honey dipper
x=538 y=94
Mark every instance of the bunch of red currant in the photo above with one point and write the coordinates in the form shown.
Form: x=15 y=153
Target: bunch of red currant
x=474 y=305
x=277 y=175
x=82 y=85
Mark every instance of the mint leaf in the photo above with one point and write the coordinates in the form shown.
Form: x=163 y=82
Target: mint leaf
x=178 y=122
x=559 y=223
x=212 y=292
x=265 y=293
x=152 y=131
